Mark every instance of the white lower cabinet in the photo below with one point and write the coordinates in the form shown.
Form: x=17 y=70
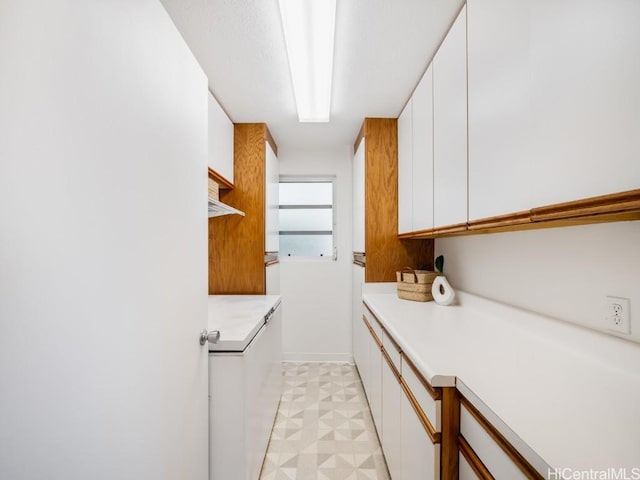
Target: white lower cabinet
x=410 y=451
x=492 y=456
x=417 y=423
x=245 y=389
x=375 y=382
x=420 y=458
x=391 y=412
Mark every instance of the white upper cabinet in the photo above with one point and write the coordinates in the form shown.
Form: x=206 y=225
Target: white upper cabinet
x=422 y=177
x=220 y=140
x=415 y=159
x=450 y=126
x=358 y=198
x=553 y=102
x=405 y=169
x=585 y=98
x=272 y=217
x=500 y=153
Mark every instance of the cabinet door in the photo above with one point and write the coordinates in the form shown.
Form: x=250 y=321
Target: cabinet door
x=272 y=178
x=405 y=169
x=500 y=153
x=391 y=420
x=375 y=382
x=257 y=360
x=374 y=394
x=422 y=176
x=585 y=98
x=553 y=102
x=450 y=126
x=273 y=388
x=358 y=198
x=220 y=140
x=419 y=457
x=227 y=410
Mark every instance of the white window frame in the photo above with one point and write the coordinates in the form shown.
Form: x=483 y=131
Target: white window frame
x=315 y=179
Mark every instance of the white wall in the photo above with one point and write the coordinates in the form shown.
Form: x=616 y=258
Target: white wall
x=564 y=273
x=316 y=293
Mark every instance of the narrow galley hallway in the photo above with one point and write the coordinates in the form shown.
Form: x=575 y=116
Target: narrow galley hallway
x=323 y=429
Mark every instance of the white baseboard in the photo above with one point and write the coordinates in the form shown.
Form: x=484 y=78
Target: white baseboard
x=317 y=357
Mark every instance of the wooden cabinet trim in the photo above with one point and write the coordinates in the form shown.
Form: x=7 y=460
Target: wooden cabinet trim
x=450 y=430
x=386 y=254
x=237 y=244
x=516 y=218
x=270 y=140
x=392 y=365
x=617 y=207
x=222 y=182
x=614 y=203
x=372 y=332
x=516 y=457
x=435 y=394
x=473 y=460
x=435 y=437
x=359 y=138
x=375 y=319
x=450 y=229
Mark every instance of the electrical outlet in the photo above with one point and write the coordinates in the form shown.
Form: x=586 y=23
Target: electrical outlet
x=617 y=316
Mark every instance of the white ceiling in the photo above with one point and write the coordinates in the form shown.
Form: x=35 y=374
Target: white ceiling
x=382 y=47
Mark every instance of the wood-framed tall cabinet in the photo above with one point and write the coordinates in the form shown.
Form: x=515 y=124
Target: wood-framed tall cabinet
x=375 y=215
x=377 y=251
x=243 y=251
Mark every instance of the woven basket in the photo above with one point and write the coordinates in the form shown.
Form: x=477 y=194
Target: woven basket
x=415 y=284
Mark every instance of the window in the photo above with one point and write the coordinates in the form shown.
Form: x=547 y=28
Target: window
x=306 y=217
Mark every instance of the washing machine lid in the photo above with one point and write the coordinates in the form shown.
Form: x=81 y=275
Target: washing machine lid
x=238 y=318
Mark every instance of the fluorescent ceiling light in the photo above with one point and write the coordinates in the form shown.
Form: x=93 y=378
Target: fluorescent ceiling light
x=309 y=30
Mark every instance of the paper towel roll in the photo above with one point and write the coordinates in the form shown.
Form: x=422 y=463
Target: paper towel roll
x=442 y=292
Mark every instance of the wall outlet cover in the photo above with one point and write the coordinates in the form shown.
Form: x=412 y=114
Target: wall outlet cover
x=617 y=316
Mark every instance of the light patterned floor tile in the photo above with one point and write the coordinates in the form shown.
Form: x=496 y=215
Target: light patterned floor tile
x=323 y=430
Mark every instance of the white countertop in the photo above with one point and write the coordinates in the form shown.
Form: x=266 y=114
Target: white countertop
x=569 y=393
x=238 y=318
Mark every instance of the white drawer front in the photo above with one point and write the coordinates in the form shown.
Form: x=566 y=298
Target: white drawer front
x=429 y=406
x=489 y=452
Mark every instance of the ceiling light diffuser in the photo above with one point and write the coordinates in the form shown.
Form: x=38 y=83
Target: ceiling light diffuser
x=309 y=31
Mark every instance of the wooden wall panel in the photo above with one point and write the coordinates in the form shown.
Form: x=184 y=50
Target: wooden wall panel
x=386 y=254
x=236 y=243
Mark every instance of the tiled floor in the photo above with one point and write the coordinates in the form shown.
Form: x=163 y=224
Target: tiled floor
x=323 y=430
